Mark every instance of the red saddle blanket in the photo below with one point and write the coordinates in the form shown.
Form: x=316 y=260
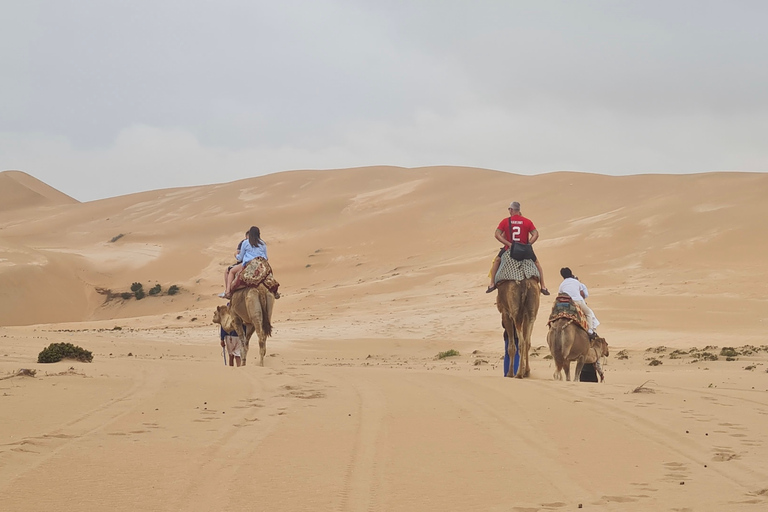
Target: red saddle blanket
x=565 y=308
x=256 y=272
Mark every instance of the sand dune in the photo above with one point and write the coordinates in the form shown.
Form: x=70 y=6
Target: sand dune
x=381 y=268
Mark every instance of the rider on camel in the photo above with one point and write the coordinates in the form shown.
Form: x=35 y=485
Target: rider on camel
x=522 y=231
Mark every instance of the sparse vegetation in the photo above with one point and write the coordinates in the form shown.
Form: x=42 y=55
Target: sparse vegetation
x=155 y=289
x=140 y=294
x=116 y=238
x=448 y=353
x=126 y=295
x=654 y=362
x=642 y=389
x=622 y=354
x=136 y=287
x=728 y=352
x=57 y=351
x=173 y=290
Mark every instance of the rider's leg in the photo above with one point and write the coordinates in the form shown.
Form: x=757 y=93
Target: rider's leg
x=541 y=275
x=231 y=277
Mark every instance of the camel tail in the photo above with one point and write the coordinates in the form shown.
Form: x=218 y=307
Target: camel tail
x=266 y=314
x=558 y=346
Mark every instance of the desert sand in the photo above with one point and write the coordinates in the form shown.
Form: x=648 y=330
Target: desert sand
x=381 y=269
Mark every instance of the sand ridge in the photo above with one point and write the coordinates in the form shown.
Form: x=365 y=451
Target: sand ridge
x=382 y=269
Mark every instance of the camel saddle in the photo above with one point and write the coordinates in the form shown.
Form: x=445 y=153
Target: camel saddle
x=256 y=272
x=514 y=270
x=565 y=308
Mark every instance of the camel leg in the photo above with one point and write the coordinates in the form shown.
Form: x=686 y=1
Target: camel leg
x=262 y=348
x=524 y=348
x=511 y=349
x=567 y=370
x=243 y=339
x=579 y=367
x=558 y=375
x=528 y=334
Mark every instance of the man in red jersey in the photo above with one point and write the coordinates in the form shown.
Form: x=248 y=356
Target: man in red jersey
x=515 y=228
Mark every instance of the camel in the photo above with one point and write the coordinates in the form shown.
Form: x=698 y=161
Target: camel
x=250 y=307
x=518 y=303
x=569 y=342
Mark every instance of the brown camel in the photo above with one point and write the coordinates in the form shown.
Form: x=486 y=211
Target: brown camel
x=250 y=307
x=518 y=303
x=569 y=342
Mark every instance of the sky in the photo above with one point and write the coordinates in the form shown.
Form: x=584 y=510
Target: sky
x=101 y=98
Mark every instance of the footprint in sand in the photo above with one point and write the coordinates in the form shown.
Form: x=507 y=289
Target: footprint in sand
x=724 y=454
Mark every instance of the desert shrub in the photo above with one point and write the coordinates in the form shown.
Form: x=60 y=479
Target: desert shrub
x=655 y=362
x=57 y=351
x=708 y=356
x=126 y=295
x=622 y=354
x=116 y=238
x=155 y=289
x=728 y=352
x=140 y=294
x=677 y=354
x=173 y=290
x=448 y=353
x=136 y=287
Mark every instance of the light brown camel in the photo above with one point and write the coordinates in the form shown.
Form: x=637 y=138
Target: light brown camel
x=569 y=342
x=518 y=303
x=252 y=308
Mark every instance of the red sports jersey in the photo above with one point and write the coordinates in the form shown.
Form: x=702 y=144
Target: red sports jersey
x=521 y=227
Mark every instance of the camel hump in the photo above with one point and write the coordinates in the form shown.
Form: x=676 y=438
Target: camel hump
x=564 y=307
x=515 y=270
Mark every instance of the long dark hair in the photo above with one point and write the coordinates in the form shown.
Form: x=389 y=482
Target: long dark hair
x=254 y=237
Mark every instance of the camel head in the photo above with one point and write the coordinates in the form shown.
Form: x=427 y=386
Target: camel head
x=222 y=316
x=601 y=345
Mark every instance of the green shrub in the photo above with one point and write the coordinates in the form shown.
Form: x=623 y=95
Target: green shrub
x=136 y=287
x=155 y=289
x=140 y=294
x=126 y=295
x=728 y=352
x=57 y=351
x=173 y=290
x=448 y=353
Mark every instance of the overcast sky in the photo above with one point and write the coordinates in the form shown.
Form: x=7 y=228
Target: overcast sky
x=100 y=98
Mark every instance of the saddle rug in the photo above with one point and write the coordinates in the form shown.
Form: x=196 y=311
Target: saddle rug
x=256 y=272
x=514 y=270
x=565 y=308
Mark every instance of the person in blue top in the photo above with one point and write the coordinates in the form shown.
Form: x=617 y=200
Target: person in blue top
x=252 y=247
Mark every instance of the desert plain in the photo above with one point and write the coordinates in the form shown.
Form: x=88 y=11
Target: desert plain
x=382 y=269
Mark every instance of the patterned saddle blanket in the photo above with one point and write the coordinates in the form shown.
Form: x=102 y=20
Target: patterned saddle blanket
x=256 y=272
x=565 y=308
x=513 y=270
